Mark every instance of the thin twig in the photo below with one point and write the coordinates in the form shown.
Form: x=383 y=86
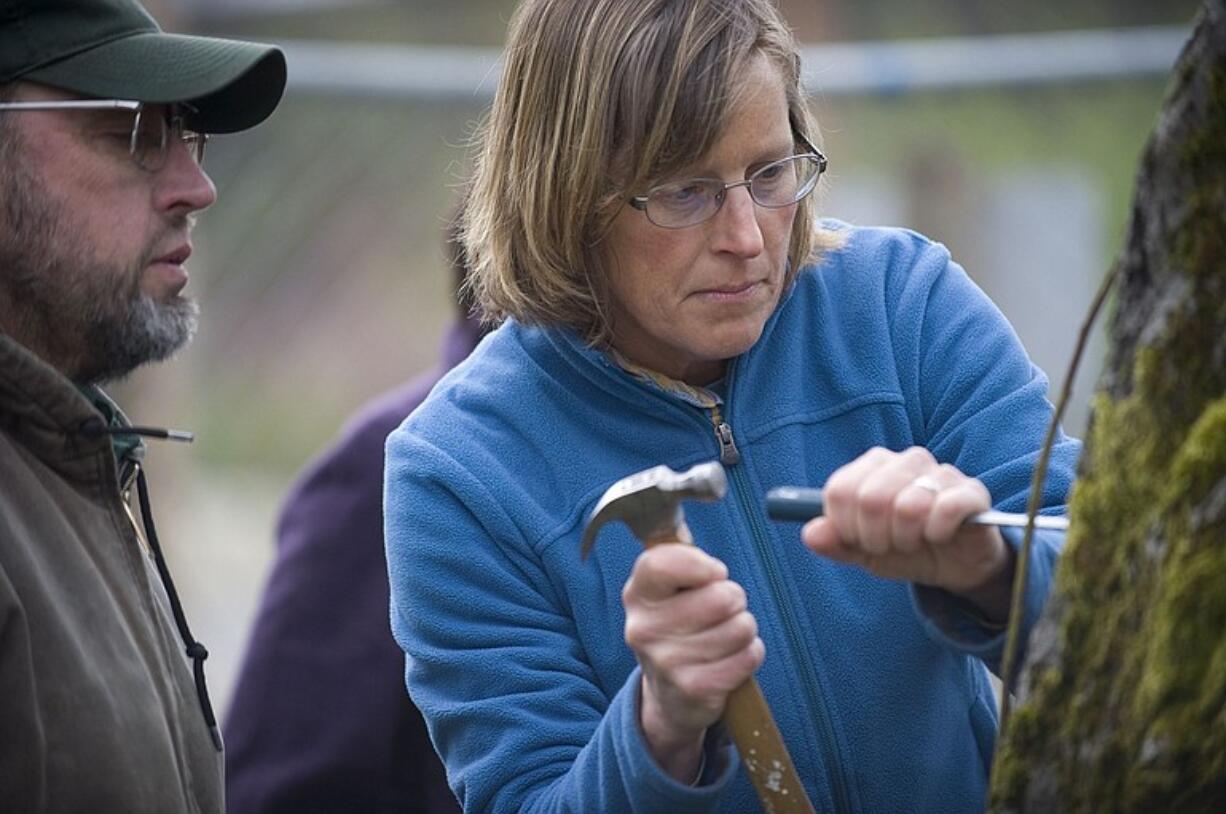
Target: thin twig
x=1036 y=497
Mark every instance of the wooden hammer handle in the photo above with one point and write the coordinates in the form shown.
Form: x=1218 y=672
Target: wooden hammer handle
x=763 y=751
x=756 y=736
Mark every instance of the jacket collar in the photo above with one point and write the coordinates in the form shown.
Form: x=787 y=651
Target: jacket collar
x=43 y=411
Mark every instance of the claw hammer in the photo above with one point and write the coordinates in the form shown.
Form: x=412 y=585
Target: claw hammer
x=649 y=502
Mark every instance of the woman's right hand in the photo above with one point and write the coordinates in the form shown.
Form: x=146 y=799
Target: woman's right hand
x=689 y=626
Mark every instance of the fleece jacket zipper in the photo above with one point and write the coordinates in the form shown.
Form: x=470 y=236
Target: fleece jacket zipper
x=732 y=458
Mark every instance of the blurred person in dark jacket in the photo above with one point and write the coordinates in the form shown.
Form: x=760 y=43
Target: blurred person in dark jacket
x=102 y=130
x=320 y=721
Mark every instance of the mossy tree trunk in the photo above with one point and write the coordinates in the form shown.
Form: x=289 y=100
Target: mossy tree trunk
x=1122 y=698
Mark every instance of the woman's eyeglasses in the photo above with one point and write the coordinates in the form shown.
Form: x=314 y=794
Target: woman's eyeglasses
x=781 y=183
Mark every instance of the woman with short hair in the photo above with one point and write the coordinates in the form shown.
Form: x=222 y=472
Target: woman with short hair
x=642 y=220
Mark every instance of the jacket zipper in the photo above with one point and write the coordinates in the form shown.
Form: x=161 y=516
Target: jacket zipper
x=730 y=456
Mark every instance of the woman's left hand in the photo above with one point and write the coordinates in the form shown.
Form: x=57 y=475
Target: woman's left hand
x=900 y=515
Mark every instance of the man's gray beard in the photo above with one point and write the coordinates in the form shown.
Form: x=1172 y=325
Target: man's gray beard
x=139 y=330
x=90 y=314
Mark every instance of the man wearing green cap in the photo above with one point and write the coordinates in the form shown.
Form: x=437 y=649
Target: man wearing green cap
x=103 y=122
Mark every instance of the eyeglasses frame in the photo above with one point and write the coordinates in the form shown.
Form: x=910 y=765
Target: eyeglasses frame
x=639 y=202
x=174 y=123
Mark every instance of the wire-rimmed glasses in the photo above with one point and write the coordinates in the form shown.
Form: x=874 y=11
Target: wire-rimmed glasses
x=153 y=130
x=781 y=183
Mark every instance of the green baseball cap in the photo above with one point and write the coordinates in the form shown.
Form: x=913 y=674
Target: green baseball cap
x=113 y=49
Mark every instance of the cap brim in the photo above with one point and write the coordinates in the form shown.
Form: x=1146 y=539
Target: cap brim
x=232 y=84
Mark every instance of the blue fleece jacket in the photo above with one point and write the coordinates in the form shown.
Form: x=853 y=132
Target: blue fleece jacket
x=515 y=649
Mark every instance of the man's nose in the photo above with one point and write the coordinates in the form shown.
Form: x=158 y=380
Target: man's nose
x=183 y=187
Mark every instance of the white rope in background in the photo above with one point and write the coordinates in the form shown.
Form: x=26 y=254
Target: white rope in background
x=459 y=74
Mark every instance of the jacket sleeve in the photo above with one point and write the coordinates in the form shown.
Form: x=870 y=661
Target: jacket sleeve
x=23 y=749
x=319 y=719
x=494 y=662
x=978 y=403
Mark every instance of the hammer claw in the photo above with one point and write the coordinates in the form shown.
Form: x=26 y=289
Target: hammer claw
x=650 y=501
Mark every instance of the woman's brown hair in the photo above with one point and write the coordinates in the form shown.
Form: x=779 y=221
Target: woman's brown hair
x=598 y=98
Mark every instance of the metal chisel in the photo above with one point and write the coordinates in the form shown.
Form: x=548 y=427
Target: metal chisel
x=800 y=504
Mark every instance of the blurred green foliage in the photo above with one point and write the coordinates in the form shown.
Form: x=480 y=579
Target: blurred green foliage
x=1100 y=127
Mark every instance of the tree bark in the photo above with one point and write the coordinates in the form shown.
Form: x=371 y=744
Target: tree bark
x=1122 y=698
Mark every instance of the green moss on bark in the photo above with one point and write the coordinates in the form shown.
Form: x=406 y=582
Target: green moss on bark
x=1132 y=718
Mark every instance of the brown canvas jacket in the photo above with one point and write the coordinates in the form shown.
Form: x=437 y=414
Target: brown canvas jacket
x=98 y=710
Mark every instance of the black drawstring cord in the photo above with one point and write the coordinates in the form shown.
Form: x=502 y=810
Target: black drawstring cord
x=195 y=650
x=94 y=427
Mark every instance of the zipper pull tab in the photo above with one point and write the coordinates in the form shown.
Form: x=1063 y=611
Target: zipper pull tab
x=729 y=455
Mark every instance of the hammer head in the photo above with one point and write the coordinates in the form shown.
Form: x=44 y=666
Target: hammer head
x=649 y=502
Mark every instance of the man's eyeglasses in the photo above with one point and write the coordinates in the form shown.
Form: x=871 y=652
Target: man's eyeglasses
x=780 y=183
x=153 y=130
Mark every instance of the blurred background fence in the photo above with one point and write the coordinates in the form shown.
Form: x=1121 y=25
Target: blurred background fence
x=1009 y=132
